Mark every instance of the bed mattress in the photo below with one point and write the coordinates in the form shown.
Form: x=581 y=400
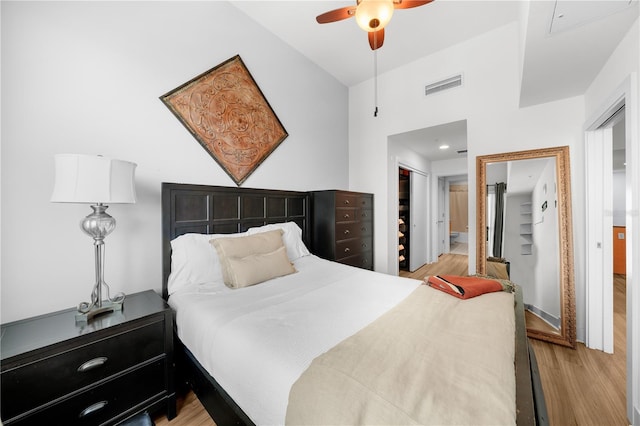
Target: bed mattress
x=257 y=341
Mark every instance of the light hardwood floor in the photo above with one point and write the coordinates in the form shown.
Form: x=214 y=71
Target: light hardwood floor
x=582 y=386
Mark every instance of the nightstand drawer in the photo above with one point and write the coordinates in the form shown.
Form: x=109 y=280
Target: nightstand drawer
x=106 y=403
x=33 y=384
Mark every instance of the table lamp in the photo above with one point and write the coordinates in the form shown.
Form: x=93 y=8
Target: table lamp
x=98 y=181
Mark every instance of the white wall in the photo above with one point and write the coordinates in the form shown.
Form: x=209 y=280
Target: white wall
x=620 y=75
x=619 y=199
x=522 y=265
x=546 y=242
x=488 y=100
x=85 y=77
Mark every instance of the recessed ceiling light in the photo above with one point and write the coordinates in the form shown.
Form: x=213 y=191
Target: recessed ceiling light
x=444 y=146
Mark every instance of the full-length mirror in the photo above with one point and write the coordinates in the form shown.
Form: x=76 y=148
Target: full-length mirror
x=524 y=223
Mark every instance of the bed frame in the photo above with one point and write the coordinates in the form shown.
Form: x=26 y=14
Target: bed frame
x=213 y=209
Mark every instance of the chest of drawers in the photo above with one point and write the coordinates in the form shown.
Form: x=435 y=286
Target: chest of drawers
x=54 y=371
x=342 y=227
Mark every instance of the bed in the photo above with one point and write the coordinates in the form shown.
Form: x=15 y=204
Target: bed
x=245 y=380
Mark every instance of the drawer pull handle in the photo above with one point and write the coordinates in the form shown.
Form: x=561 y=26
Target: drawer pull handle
x=347 y=250
x=346 y=232
x=92 y=408
x=346 y=201
x=93 y=363
x=346 y=215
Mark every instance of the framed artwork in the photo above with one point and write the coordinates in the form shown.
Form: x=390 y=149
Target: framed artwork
x=225 y=110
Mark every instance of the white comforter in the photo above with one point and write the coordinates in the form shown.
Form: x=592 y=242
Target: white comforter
x=257 y=341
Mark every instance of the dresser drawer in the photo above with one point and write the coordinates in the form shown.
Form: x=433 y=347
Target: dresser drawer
x=350 y=199
x=351 y=247
x=33 y=384
x=346 y=199
x=366 y=215
x=362 y=260
x=366 y=228
x=348 y=230
x=347 y=214
x=107 y=402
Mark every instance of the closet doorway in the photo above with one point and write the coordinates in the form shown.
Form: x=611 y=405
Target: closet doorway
x=413 y=229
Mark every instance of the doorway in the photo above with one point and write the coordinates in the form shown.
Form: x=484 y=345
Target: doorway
x=599 y=139
x=413 y=230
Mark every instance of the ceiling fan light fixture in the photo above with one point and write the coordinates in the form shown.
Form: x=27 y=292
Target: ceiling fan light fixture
x=374 y=15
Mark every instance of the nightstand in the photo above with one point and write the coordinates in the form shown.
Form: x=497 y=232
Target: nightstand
x=54 y=371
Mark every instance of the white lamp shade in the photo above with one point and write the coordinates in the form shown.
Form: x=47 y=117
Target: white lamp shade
x=93 y=179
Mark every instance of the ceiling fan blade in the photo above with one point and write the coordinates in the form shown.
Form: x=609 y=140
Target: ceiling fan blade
x=376 y=38
x=407 y=4
x=336 y=15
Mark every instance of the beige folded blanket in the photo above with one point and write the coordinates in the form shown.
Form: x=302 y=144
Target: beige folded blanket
x=433 y=359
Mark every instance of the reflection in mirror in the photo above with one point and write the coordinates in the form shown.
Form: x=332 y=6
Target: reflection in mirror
x=526 y=226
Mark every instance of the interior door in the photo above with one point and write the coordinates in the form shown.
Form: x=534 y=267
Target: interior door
x=419 y=186
x=599 y=250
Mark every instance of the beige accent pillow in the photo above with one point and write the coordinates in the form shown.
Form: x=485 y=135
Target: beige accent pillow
x=256 y=268
x=240 y=247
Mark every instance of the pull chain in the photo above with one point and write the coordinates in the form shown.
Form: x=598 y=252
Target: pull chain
x=375 y=75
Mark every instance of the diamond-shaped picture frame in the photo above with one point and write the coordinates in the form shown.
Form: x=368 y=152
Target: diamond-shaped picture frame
x=227 y=113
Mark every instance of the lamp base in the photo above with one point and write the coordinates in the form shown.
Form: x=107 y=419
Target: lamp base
x=105 y=308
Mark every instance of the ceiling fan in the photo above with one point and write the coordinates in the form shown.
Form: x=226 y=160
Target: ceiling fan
x=371 y=15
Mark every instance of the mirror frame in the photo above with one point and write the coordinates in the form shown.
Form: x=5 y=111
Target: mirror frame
x=567 y=335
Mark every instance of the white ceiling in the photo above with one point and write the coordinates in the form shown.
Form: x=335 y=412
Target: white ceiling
x=562 y=55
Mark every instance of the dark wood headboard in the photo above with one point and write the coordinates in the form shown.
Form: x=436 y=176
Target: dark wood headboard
x=206 y=209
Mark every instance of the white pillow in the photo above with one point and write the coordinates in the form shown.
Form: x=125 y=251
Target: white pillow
x=292 y=238
x=194 y=260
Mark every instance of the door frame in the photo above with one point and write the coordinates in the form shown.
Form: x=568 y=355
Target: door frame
x=425 y=219
x=626 y=93
x=392 y=246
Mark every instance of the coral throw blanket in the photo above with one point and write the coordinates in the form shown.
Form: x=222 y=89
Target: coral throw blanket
x=463 y=287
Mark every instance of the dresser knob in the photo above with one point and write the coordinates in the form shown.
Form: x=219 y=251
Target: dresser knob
x=346 y=215
x=92 y=408
x=347 y=250
x=93 y=363
x=346 y=232
x=346 y=201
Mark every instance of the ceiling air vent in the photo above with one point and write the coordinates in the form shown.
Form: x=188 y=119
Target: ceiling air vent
x=439 y=86
x=462 y=151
